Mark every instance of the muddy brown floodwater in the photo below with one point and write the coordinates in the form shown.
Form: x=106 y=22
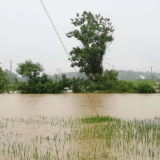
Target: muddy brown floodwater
x=47 y=127
x=78 y=105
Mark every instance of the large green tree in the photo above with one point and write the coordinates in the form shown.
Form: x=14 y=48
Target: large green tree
x=4 y=81
x=95 y=34
x=29 y=69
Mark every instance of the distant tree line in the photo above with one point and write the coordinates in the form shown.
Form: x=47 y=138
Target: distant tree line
x=122 y=75
x=39 y=82
x=31 y=79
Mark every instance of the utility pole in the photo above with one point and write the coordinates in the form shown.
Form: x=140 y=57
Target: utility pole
x=11 y=71
x=151 y=73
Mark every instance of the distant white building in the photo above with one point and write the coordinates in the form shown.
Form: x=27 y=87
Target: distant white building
x=142 y=77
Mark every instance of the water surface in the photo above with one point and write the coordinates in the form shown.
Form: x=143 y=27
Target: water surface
x=79 y=105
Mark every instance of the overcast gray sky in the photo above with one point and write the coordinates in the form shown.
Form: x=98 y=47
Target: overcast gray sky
x=26 y=32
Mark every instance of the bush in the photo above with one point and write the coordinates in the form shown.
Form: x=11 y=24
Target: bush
x=4 y=81
x=145 y=88
x=125 y=87
x=108 y=81
x=83 y=85
x=44 y=85
x=13 y=87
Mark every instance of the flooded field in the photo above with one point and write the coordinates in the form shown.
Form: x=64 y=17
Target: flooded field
x=51 y=127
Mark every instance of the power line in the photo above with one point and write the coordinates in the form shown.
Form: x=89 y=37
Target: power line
x=57 y=33
x=92 y=104
x=65 y=49
x=113 y=25
x=95 y=5
x=101 y=13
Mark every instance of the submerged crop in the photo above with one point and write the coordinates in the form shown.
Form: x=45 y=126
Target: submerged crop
x=101 y=138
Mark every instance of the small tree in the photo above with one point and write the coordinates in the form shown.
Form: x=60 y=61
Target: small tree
x=95 y=34
x=29 y=69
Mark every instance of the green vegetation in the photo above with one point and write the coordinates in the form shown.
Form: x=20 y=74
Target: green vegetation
x=42 y=85
x=89 y=138
x=29 y=70
x=145 y=88
x=13 y=78
x=39 y=82
x=82 y=85
x=101 y=119
x=95 y=34
x=4 y=81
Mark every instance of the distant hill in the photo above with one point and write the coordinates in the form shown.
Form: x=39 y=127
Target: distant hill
x=123 y=75
x=132 y=75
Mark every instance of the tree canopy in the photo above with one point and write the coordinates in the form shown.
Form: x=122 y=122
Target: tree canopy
x=29 y=69
x=95 y=34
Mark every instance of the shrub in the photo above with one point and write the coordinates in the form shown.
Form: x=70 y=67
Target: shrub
x=145 y=88
x=125 y=87
x=83 y=85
